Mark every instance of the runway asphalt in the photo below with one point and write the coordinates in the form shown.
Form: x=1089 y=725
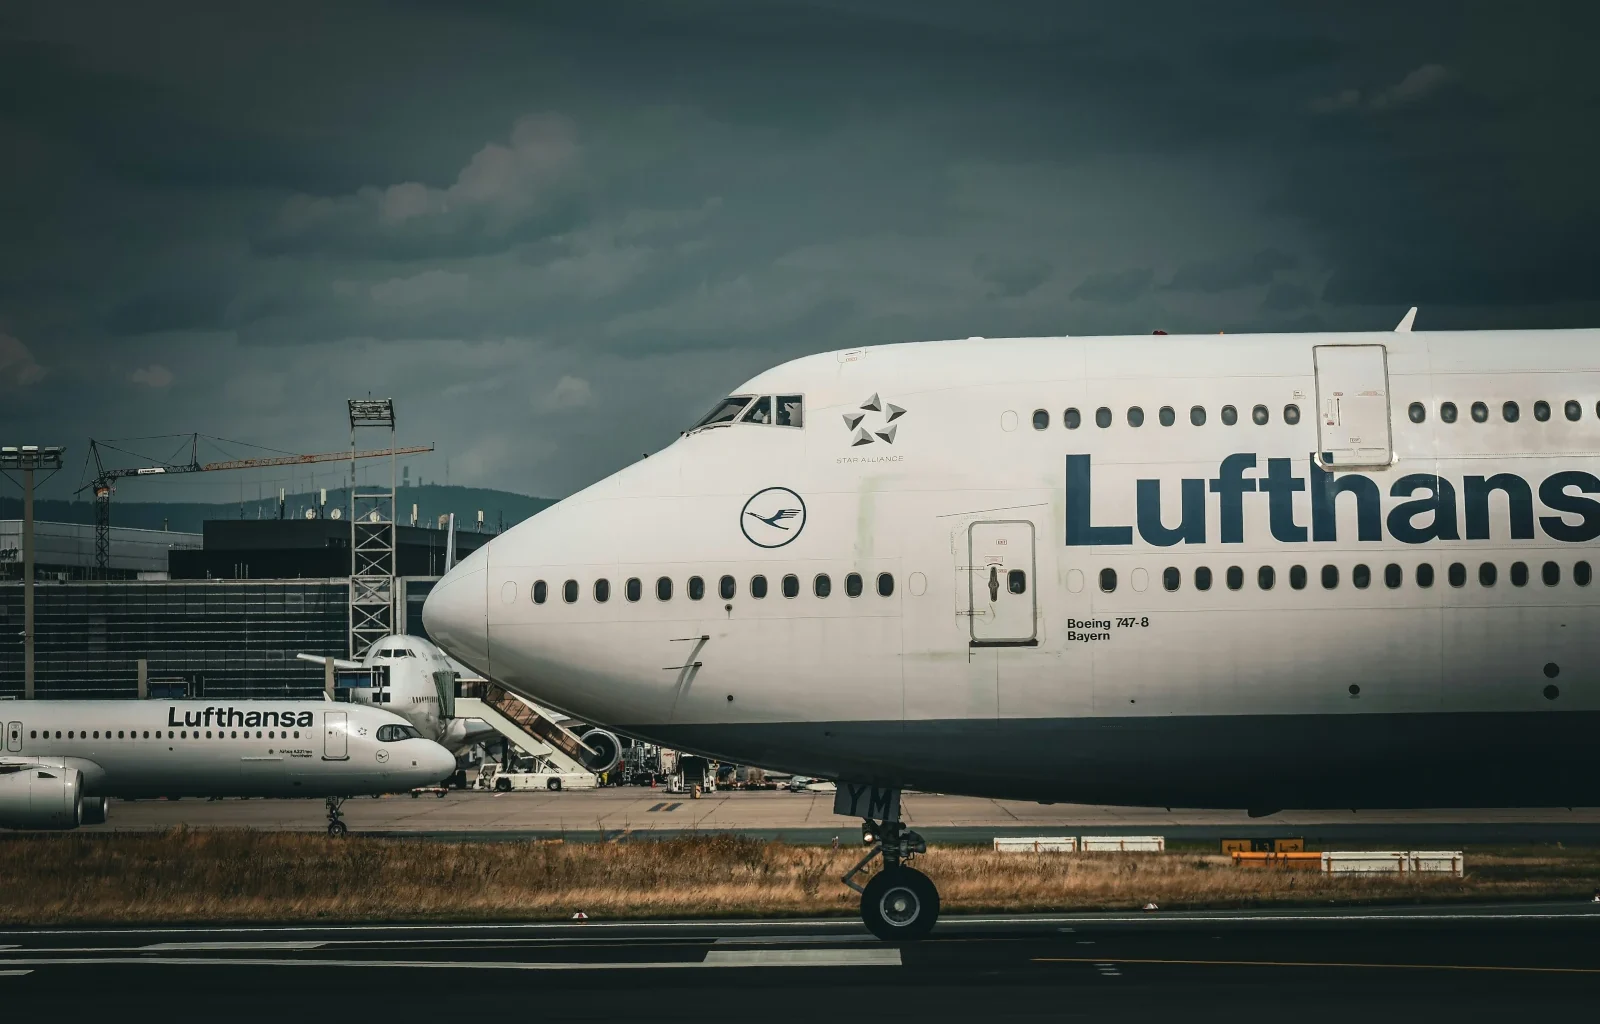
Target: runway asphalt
x=809 y=818
x=1499 y=963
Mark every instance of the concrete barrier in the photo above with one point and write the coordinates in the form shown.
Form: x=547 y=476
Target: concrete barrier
x=1123 y=844
x=1036 y=844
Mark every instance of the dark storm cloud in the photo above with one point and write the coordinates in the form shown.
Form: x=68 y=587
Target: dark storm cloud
x=519 y=219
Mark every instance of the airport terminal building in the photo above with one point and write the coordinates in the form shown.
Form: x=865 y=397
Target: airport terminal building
x=238 y=603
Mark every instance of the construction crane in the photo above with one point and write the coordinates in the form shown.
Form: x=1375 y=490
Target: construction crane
x=104 y=483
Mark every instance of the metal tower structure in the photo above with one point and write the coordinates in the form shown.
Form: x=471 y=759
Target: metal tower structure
x=372 y=534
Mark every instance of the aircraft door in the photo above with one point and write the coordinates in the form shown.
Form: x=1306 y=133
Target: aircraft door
x=335 y=740
x=1001 y=584
x=14 y=737
x=1353 y=426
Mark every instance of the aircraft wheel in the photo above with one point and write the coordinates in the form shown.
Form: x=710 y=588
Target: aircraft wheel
x=554 y=785
x=900 y=904
x=337 y=829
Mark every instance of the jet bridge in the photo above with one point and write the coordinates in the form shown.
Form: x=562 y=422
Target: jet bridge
x=530 y=728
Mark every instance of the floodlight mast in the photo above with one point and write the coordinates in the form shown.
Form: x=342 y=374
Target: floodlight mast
x=28 y=459
x=372 y=534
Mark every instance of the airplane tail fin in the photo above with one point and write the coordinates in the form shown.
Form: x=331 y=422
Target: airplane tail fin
x=1404 y=326
x=450 y=543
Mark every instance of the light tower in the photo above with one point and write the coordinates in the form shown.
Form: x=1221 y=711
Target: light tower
x=372 y=535
x=28 y=459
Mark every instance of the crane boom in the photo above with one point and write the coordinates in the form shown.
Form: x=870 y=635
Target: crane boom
x=104 y=479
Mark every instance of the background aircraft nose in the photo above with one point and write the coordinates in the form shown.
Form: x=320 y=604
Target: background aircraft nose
x=456 y=616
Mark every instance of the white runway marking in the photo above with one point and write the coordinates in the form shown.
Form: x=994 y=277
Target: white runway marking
x=14 y=974
x=235 y=945
x=803 y=958
x=788 y=940
x=724 y=958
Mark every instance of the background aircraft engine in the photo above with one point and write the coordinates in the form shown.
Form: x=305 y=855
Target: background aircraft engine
x=607 y=750
x=95 y=809
x=41 y=796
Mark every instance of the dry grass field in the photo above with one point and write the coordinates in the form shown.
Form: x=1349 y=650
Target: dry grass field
x=239 y=875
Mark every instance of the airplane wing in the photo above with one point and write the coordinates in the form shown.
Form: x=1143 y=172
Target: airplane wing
x=317 y=659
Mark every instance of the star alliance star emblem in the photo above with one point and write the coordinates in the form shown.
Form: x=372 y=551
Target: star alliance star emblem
x=862 y=432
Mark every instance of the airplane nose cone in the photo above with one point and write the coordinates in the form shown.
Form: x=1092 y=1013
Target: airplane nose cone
x=455 y=614
x=440 y=763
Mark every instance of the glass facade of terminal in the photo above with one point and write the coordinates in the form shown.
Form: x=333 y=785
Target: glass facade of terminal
x=214 y=638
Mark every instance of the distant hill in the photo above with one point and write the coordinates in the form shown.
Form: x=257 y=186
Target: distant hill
x=501 y=509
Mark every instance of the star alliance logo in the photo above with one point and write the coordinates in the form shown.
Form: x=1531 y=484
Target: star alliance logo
x=773 y=517
x=863 y=433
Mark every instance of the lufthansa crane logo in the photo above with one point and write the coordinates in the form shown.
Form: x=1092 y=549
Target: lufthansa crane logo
x=773 y=517
x=863 y=430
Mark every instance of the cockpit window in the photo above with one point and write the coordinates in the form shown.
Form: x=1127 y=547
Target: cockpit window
x=726 y=411
x=760 y=411
x=393 y=733
x=791 y=411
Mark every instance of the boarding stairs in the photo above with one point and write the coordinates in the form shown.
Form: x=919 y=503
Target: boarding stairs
x=532 y=729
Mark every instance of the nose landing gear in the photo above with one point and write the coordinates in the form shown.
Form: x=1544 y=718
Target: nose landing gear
x=899 y=903
x=336 y=825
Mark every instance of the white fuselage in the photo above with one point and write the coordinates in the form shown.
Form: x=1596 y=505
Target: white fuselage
x=1153 y=611
x=150 y=748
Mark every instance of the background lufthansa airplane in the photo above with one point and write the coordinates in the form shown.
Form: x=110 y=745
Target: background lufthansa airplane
x=1323 y=570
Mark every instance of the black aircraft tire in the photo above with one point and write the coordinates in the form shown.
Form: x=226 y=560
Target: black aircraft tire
x=900 y=904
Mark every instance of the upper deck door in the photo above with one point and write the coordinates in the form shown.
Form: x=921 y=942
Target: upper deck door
x=335 y=740
x=1353 y=406
x=1000 y=584
x=14 y=737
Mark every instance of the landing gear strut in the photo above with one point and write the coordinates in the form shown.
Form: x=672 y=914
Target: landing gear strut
x=899 y=903
x=336 y=825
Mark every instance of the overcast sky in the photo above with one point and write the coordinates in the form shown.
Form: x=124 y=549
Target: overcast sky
x=556 y=233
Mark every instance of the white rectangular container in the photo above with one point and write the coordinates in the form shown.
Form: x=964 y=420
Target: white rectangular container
x=1449 y=862
x=1123 y=844
x=1036 y=844
x=1363 y=862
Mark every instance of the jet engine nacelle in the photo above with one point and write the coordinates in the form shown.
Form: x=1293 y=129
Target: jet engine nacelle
x=42 y=797
x=607 y=750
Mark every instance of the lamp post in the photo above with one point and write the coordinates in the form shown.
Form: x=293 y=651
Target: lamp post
x=27 y=459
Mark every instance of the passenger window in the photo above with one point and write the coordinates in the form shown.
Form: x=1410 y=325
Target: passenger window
x=1230 y=415
x=1519 y=574
x=1135 y=416
x=791 y=586
x=725 y=411
x=664 y=588
x=1235 y=577
x=1574 y=410
x=1197 y=415
x=1102 y=417
x=1167 y=416
x=1541 y=411
x=1447 y=412
x=1171 y=578
x=791 y=411
x=1393 y=576
x=853 y=585
x=1041 y=419
x=758 y=586
x=1072 y=419
x=1425 y=575
x=602 y=590
x=1265 y=577
x=569 y=591
x=1580 y=573
x=1202 y=578
x=1017 y=581
x=634 y=588
x=1108 y=580
x=1330 y=577
x=697 y=588
x=540 y=592
x=1291 y=414
x=1480 y=412
x=1510 y=411
x=1297 y=577
x=1550 y=573
x=1418 y=412
x=822 y=586
x=1259 y=415
x=1457 y=574
x=885 y=584
x=1486 y=574
x=727 y=587
x=760 y=411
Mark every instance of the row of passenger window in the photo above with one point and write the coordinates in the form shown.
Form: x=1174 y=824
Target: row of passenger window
x=1511 y=412
x=181 y=734
x=1361 y=576
x=727 y=587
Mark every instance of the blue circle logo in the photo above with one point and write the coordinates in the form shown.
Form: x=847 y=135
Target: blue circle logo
x=773 y=517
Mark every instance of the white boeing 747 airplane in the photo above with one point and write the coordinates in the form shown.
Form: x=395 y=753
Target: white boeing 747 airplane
x=63 y=758
x=1271 y=571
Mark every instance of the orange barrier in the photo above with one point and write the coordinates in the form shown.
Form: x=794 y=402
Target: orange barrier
x=1296 y=861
